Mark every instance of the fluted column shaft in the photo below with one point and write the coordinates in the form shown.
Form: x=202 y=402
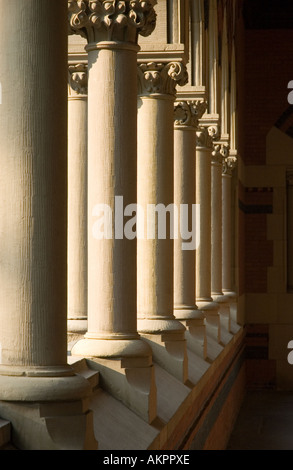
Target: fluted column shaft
x=112 y=162
x=226 y=231
x=112 y=340
x=33 y=201
x=203 y=255
x=228 y=167
x=36 y=383
x=155 y=296
x=156 y=320
x=186 y=115
x=216 y=230
x=203 y=199
x=184 y=194
x=77 y=198
x=112 y=148
x=216 y=225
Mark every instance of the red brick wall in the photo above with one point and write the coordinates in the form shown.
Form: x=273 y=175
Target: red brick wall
x=265 y=74
x=260 y=371
x=258 y=250
x=241 y=240
x=268 y=69
x=255 y=251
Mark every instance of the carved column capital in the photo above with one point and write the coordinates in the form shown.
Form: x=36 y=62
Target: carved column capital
x=203 y=138
x=77 y=79
x=229 y=164
x=162 y=78
x=220 y=152
x=188 y=113
x=112 y=20
x=214 y=131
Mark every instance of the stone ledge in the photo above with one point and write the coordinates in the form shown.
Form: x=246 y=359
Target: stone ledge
x=5 y=433
x=179 y=405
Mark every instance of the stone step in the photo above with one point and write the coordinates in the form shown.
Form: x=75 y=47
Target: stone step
x=80 y=367
x=5 y=433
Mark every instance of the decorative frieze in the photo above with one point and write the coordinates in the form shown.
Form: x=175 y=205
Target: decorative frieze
x=161 y=78
x=98 y=20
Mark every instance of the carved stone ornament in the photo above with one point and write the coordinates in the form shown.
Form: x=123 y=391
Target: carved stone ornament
x=203 y=138
x=214 y=131
x=77 y=79
x=220 y=152
x=229 y=164
x=98 y=20
x=155 y=77
x=188 y=113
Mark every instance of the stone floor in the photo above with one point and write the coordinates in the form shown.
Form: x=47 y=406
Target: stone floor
x=265 y=422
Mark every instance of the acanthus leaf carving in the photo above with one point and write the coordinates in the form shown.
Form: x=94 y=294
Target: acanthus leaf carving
x=77 y=79
x=229 y=164
x=203 y=138
x=214 y=131
x=98 y=20
x=220 y=152
x=143 y=15
x=157 y=77
x=188 y=113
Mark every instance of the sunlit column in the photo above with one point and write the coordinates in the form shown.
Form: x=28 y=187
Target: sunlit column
x=218 y=154
x=112 y=341
x=186 y=117
x=203 y=256
x=156 y=320
x=46 y=400
x=77 y=198
x=228 y=167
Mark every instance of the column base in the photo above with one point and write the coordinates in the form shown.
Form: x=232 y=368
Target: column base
x=194 y=321
x=166 y=337
x=76 y=329
x=224 y=310
x=50 y=426
x=126 y=371
x=36 y=384
x=48 y=408
x=77 y=325
x=210 y=310
x=232 y=298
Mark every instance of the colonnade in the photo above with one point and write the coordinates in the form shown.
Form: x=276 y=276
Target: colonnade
x=135 y=298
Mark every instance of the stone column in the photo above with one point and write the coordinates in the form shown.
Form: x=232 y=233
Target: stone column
x=156 y=321
x=220 y=151
x=39 y=392
x=112 y=341
x=228 y=167
x=77 y=199
x=203 y=256
x=186 y=117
